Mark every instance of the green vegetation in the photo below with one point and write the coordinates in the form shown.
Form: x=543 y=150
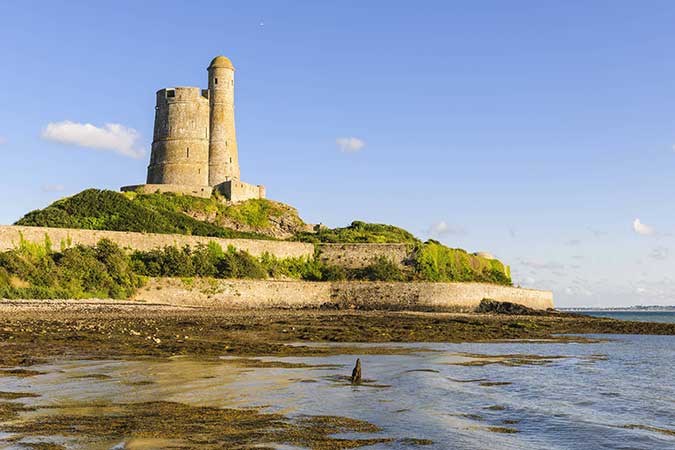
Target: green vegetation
x=155 y=213
x=381 y=269
x=259 y=219
x=436 y=262
x=34 y=271
x=360 y=232
x=212 y=261
x=255 y=214
x=204 y=261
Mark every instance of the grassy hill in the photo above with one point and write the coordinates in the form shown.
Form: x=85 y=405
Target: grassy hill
x=166 y=213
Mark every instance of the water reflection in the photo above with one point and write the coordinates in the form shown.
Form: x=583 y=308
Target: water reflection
x=464 y=396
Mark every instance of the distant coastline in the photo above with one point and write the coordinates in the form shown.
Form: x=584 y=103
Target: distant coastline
x=636 y=308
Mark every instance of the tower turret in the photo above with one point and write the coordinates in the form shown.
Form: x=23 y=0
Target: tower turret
x=223 y=155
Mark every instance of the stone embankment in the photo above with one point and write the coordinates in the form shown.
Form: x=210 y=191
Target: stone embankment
x=287 y=294
x=11 y=236
x=356 y=256
x=422 y=296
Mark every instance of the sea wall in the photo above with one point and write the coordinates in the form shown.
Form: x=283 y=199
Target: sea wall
x=10 y=237
x=422 y=296
x=356 y=256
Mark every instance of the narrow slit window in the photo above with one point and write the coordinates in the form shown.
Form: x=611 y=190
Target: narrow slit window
x=215 y=80
x=187 y=153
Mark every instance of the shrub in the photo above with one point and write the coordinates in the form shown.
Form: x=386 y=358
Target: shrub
x=100 y=271
x=360 y=232
x=381 y=269
x=436 y=262
x=333 y=273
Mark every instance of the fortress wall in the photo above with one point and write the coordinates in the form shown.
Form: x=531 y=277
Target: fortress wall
x=344 y=295
x=356 y=256
x=10 y=236
x=238 y=191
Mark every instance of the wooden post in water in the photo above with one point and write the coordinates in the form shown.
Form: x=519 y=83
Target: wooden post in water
x=356 y=373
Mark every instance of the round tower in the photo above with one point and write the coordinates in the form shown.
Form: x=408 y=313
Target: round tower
x=223 y=156
x=180 y=146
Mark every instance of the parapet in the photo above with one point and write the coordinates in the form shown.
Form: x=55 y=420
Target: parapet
x=181 y=94
x=238 y=191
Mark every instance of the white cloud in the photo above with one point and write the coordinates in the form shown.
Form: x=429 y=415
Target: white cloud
x=112 y=136
x=350 y=144
x=53 y=188
x=442 y=228
x=641 y=228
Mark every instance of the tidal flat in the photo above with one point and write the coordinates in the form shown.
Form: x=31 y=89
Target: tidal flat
x=98 y=375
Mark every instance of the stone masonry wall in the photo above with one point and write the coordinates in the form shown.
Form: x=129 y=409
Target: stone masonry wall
x=356 y=256
x=10 y=236
x=344 y=295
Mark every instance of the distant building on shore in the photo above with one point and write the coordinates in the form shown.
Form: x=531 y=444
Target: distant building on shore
x=194 y=147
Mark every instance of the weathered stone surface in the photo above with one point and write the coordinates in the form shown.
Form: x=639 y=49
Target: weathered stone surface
x=362 y=295
x=356 y=256
x=11 y=235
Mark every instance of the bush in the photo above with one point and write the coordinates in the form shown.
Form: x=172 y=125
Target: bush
x=436 y=262
x=78 y=272
x=360 y=232
x=204 y=261
x=381 y=269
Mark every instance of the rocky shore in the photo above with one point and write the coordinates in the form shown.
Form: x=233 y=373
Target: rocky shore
x=33 y=330
x=37 y=332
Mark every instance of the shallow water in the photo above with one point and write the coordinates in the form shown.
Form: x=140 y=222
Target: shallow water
x=639 y=316
x=578 y=396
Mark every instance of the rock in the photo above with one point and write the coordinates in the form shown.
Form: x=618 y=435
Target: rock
x=488 y=306
x=356 y=373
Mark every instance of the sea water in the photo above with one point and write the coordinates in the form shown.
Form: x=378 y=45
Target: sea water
x=613 y=394
x=639 y=316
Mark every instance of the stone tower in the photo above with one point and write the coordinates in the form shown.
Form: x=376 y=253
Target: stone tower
x=223 y=156
x=194 y=146
x=180 y=145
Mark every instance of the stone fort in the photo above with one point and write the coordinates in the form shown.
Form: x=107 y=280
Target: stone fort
x=194 y=146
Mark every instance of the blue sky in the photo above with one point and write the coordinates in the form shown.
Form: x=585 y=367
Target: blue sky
x=538 y=131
